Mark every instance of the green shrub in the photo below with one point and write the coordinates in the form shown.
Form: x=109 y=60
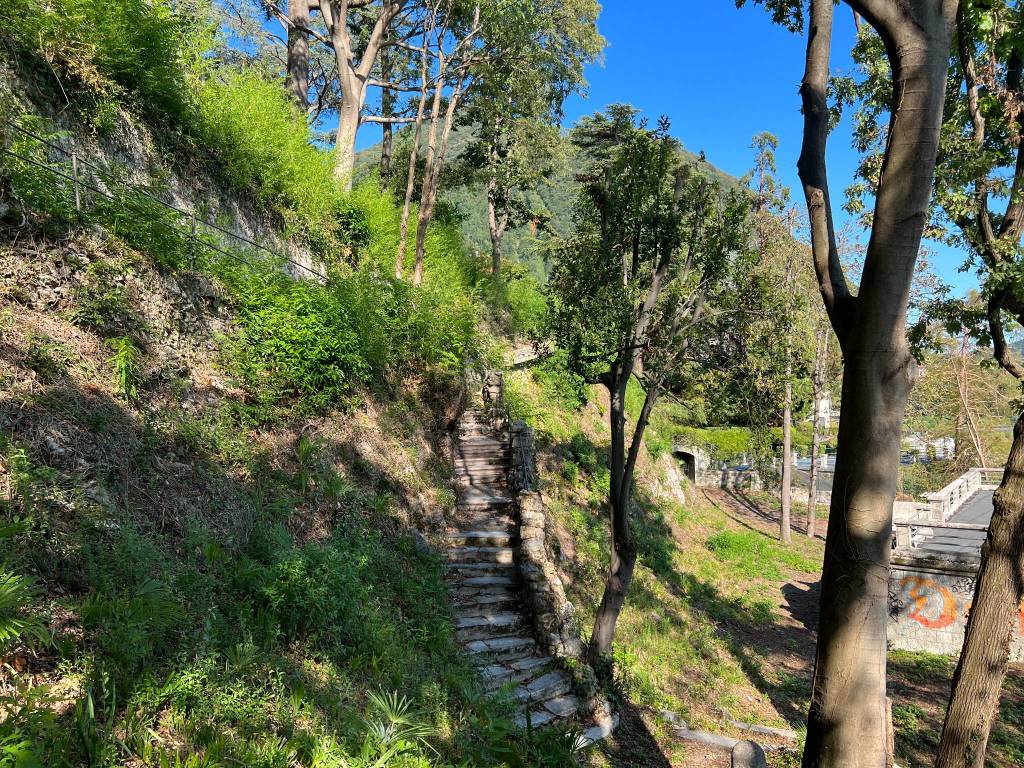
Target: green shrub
x=560 y=385
x=136 y=216
x=584 y=451
x=138 y=50
x=262 y=141
x=17 y=623
x=296 y=342
x=127 y=364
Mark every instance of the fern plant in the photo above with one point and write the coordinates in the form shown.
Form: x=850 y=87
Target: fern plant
x=127 y=362
x=16 y=625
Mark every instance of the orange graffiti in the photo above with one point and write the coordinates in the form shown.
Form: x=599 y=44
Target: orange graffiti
x=921 y=590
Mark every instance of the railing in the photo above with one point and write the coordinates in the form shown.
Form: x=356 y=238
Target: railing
x=915 y=523
x=193 y=226
x=912 y=535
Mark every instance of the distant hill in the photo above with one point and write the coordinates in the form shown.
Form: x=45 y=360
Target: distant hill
x=554 y=197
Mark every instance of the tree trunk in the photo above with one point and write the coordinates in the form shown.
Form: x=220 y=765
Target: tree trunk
x=847 y=723
x=818 y=389
x=785 y=533
x=785 y=527
x=992 y=623
x=812 y=485
x=963 y=390
x=387 y=108
x=496 y=224
x=345 y=144
x=410 y=181
x=431 y=181
x=623 y=550
x=428 y=171
x=297 y=75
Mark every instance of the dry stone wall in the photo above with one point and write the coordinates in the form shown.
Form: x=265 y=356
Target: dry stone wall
x=543 y=592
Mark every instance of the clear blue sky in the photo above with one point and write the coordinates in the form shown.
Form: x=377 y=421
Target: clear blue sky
x=723 y=75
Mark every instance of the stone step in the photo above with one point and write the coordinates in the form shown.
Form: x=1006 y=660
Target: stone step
x=547 y=686
x=496 y=600
x=502 y=648
x=498 y=555
x=481 y=499
x=495 y=487
x=483 y=538
x=483 y=454
x=474 y=519
x=481 y=466
x=508 y=580
x=563 y=706
x=558 y=709
x=477 y=443
x=538 y=718
x=464 y=571
x=488 y=473
x=497 y=675
x=489 y=624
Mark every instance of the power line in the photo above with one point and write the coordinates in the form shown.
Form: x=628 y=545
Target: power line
x=75 y=178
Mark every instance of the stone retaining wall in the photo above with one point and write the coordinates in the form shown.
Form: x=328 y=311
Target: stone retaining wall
x=544 y=594
x=929 y=599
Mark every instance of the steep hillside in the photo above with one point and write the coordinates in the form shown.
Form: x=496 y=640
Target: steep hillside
x=223 y=486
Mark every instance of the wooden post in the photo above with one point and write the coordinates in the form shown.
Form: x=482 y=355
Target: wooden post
x=192 y=243
x=74 y=173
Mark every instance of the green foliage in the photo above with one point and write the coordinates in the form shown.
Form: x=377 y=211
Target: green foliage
x=314 y=344
x=330 y=653
x=724 y=443
x=130 y=49
x=754 y=555
x=127 y=364
x=559 y=383
x=17 y=752
x=263 y=142
x=17 y=624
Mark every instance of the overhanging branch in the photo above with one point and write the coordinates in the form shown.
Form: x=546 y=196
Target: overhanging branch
x=813 y=170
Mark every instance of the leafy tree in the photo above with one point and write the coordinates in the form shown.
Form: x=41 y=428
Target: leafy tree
x=536 y=52
x=978 y=206
x=777 y=251
x=847 y=722
x=651 y=266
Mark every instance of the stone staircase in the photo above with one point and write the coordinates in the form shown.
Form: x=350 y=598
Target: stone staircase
x=485 y=584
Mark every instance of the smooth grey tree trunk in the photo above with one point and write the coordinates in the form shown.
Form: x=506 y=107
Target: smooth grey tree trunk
x=847 y=723
x=297 y=68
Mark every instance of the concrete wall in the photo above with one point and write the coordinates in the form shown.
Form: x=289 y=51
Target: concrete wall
x=729 y=478
x=929 y=600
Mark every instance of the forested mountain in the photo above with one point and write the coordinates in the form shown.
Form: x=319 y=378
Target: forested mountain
x=551 y=199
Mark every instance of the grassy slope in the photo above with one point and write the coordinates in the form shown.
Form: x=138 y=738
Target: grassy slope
x=239 y=589
x=719 y=619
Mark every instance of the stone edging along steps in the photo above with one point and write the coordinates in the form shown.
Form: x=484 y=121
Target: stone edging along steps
x=485 y=574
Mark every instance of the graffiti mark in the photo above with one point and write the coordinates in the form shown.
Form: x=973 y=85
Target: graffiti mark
x=921 y=593
x=934 y=605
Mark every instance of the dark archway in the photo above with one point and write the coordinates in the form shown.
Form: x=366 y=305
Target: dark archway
x=689 y=462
